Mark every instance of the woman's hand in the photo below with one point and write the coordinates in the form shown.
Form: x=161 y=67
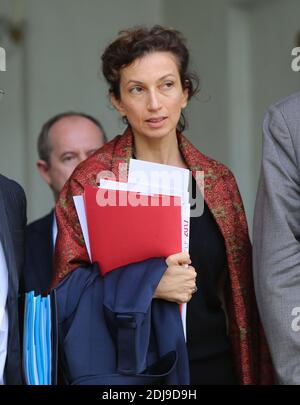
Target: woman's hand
x=178 y=282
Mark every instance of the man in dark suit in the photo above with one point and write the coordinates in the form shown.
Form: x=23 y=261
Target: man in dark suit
x=12 y=225
x=64 y=141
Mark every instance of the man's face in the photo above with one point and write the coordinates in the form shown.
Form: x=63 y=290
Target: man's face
x=72 y=140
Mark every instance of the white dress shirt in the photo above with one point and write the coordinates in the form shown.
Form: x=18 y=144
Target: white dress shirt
x=3 y=313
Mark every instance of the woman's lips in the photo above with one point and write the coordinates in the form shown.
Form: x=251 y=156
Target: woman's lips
x=156 y=122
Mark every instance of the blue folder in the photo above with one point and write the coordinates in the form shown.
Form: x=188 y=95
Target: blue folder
x=40 y=339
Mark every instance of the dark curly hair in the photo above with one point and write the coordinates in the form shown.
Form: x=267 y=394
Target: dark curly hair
x=137 y=42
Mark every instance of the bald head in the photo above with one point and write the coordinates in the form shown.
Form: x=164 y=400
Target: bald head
x=70 y=140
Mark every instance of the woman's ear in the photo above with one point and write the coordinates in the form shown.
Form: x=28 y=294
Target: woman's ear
x=117 y=103
x=185 y=97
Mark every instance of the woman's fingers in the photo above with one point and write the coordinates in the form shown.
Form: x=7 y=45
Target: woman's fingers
x=177 y=284
x=178 y=259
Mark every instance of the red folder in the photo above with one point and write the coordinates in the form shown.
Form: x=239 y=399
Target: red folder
x=120 y=235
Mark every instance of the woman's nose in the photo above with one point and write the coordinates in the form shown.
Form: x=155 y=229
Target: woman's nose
x=154 y=101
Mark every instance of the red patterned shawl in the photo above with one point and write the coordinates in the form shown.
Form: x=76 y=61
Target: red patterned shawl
x=250 y=351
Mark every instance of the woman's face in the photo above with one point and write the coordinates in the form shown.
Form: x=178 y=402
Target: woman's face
x=151 y=95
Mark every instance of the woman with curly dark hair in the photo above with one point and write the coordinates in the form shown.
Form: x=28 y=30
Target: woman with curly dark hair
x=150 y=85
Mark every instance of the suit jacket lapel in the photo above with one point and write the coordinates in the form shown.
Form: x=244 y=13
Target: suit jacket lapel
x=12 y=370
x=5 y=237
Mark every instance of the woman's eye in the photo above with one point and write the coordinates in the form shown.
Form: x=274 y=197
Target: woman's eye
x=136 y=90
x=167 y=85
